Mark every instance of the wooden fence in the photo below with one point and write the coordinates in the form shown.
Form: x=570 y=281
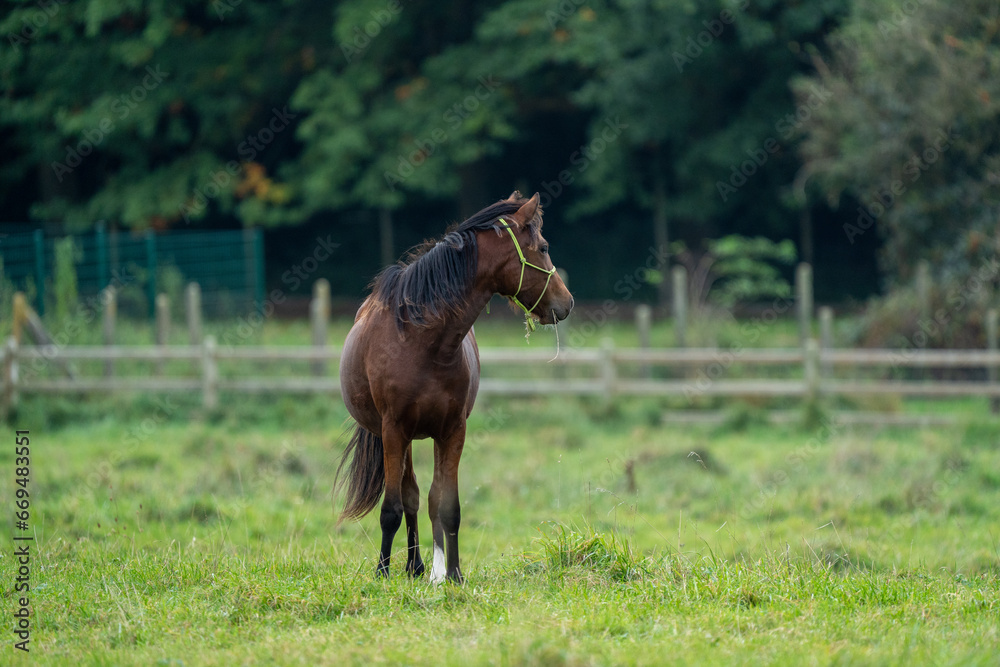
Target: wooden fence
x=812 y=371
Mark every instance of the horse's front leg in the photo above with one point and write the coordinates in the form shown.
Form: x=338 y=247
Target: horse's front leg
x=393 y=447
x=411 y=503
x=444 y=507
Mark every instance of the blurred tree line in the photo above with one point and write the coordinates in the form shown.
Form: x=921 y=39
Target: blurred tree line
x=641 y=122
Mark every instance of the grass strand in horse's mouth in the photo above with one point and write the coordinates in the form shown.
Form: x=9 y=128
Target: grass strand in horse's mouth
x=556 y=327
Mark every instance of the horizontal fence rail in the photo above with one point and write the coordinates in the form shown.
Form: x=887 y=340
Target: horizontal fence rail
x=678 y=357
x=611 y=371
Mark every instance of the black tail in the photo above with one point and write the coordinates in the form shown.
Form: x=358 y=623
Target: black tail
x=366 y=477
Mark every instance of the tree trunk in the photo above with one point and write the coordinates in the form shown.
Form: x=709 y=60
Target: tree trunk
x=475 y=191
x=806 y=235
x=661 y=236
x=388 y=255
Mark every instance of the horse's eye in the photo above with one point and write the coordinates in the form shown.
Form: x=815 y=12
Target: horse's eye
x=545 y=249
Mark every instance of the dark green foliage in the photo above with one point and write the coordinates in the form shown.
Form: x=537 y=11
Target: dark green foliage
x=952 y=318
x=130 y=112
x=168 y=115
x=907 y=142
x=736 y=270
x=639 y=122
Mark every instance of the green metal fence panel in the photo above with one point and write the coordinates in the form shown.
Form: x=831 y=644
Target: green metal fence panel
x=228 y=265
x=258 y=261
x=39 y=241
x=151 y=273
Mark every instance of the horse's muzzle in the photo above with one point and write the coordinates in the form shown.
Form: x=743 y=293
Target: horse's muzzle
x=558 y=312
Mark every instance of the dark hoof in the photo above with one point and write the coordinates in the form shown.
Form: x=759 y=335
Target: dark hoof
x=456 y=578
x=415 y=571
x=382 y=572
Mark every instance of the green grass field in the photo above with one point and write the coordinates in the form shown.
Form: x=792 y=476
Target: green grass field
x=592 y=534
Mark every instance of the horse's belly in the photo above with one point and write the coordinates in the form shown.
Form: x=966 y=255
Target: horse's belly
x=355 y=387
x=471 y=351
x=424 y=397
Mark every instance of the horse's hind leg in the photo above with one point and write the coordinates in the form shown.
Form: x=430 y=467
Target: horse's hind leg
x=411 y=503
x=444 y=508
x=393 y=447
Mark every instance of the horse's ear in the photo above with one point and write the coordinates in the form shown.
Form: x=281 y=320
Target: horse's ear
x=514 y=196
x=527 y=211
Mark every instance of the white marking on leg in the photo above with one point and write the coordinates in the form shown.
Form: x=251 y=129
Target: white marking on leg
x=438 y=569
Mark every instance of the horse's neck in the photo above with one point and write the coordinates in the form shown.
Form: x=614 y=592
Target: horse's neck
x=446 y=337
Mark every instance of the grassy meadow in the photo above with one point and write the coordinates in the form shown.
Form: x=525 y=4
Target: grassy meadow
x=593 y=532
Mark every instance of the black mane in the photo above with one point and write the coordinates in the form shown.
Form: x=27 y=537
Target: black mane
x=433 y=280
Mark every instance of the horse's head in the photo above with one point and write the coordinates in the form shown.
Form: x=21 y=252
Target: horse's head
x=524 y=271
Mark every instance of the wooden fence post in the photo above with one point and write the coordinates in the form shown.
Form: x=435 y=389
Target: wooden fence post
x=643 y=321
x=108 y=320
x=101 y=245
x=151 y=263
x=991 y=345
x=162 y=326
x=192 y=311
x=319 y=312
x=9 y=378
x=679 y=280
x=608 y=374
x=39 y=238
x=209 y=375
x=826 y=337
x=923 y=288
x=19 y=306
x=811 y=370
x=804 y=300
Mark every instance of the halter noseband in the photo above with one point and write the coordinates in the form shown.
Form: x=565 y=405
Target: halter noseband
x=529 y=322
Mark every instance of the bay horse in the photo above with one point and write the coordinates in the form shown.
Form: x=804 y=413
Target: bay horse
x=410 y=368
